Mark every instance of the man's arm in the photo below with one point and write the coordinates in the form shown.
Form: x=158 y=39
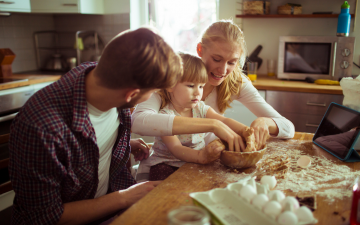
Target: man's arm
x=85 y=211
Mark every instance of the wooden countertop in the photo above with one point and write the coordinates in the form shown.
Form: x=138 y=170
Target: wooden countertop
x=272 y=83
x=263 y=83
x=174 y=191
x=32 y=79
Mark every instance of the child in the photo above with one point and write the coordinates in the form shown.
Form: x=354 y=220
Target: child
x=170 y=152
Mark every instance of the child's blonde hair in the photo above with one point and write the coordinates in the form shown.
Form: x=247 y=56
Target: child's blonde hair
x=227 y=31
x=194 y=70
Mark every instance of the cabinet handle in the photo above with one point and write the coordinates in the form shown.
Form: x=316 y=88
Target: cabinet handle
x=6 y=2
x=70 y=4
x=334 y=59
x=311 y=125
x=316 y=104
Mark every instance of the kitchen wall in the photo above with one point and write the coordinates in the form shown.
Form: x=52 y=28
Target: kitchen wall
x=266 y=31
x=16 y=32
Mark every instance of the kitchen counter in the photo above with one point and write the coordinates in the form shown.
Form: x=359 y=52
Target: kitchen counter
x=191 y=177
x=32 y=79
x=263 y=83
x=272 y=83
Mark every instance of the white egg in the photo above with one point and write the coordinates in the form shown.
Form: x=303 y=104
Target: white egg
x=272 y=208
x=287 y=218
x=304 y=161
x=304 y=214
x=260 y=200
x=269 y=180
x=252 y=182
x=276 y=195
x=292 y=201
x=248 y=192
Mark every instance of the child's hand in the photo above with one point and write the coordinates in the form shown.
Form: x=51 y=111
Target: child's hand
x=211 y=152
x=139 y=149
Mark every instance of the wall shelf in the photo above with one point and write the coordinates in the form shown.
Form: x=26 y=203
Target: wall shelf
x=292 y=16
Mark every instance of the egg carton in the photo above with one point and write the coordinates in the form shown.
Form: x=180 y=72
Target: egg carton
x=247 y=202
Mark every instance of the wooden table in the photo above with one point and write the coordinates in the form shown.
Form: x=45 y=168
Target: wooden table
x=174 y=191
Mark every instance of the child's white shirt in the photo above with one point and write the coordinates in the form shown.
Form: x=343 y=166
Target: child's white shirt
x=159 y=153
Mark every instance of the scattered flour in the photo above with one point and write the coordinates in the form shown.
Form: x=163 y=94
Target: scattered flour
x=323 y=177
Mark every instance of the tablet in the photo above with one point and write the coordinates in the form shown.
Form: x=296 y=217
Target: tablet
x=338 y=132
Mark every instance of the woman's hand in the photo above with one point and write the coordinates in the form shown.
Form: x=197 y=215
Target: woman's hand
x=139 y=149
x=261 y=131
x=211 y=152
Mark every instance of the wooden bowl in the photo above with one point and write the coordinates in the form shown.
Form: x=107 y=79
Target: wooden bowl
x=239 y=160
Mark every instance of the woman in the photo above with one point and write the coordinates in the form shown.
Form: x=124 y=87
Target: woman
x=222 y=49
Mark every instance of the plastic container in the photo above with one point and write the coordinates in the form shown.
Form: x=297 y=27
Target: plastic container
x=236 y=204
x=343 y=27
x=355 y=207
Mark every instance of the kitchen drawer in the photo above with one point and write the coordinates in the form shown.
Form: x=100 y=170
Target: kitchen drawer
x=68 y=6
x=301 y=103
x=62 y=6
x=15 y=5
x=304 y=122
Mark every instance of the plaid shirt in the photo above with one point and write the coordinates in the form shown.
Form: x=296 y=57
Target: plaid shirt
x=54 y=157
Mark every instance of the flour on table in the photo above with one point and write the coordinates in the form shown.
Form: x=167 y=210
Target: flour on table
x=323 y=177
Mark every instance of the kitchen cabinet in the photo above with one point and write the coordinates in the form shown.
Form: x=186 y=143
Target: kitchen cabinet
x=123 y=6
x=68 y=6
x=304 y=110
x=15 y=6
x=292 y=16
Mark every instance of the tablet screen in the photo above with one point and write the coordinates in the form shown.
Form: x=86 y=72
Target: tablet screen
x=338 y=130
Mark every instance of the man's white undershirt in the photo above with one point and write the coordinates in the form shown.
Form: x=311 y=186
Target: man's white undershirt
x=106 y=125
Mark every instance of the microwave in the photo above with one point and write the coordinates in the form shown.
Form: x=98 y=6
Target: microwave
x=317 y=57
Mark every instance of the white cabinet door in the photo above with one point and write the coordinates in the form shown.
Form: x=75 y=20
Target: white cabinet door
x=240 y=113
x=119 y=6
x=92 y=6
x=68 y=6
x=15 y=5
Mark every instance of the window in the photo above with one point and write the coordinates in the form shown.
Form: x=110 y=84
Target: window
x=181 y=23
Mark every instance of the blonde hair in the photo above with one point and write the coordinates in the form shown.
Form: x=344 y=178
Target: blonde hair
x=227 y=31
x=138 y=59
x=194 y=70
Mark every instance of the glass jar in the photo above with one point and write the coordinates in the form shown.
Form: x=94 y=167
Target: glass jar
x=188 y=215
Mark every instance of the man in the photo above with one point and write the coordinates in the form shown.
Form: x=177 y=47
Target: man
x=70 y=143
